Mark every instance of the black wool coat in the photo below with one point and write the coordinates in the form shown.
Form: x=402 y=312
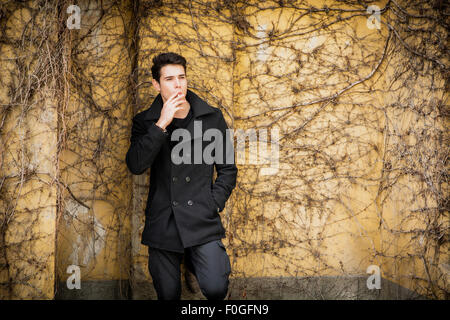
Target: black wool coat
x=183 y=194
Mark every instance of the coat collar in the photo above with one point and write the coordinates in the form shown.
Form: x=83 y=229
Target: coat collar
x=198 y=105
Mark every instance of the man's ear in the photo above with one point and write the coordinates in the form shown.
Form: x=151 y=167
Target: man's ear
x=156 y=85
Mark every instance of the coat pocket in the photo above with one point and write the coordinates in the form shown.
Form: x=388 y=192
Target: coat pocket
x=211 y=200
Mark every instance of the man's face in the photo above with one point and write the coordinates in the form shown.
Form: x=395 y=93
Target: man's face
x=173 y=79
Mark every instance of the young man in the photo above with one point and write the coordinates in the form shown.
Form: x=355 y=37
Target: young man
x=182 y=213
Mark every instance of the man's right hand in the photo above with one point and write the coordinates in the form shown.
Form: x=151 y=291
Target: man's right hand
x=169 y=108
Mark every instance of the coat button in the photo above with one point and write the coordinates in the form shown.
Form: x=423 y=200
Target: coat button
x=190 y=203
x=188 y=179
x=174 y=179
x=175 y=203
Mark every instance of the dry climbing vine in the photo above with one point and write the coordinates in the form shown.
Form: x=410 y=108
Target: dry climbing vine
x=363 y=115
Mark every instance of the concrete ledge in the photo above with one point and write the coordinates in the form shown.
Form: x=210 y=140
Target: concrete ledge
x=317 y=288
x=281 y=288
x=95 y=290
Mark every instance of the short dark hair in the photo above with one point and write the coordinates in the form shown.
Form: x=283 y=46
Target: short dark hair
x=164 y=59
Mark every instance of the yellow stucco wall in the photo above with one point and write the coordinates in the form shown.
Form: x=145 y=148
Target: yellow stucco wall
x=94 y=230
x=336 y=205
x=28 y=157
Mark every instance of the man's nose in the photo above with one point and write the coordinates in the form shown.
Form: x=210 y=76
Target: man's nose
x=177 y=82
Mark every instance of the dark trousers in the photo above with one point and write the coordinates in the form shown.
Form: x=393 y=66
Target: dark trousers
x=209 y=262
